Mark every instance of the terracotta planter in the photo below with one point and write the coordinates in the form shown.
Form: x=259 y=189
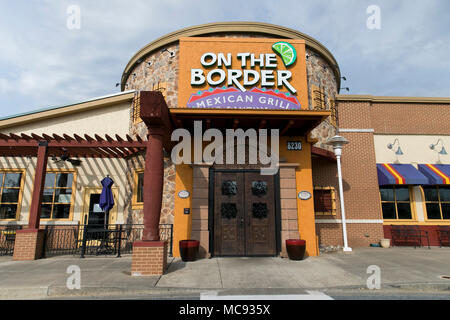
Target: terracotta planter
x=295 y=249
x=189 y=249
x=385 y=243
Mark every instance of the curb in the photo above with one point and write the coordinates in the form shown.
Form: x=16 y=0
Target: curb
x=33 y=293
x=19 y=293
x=15 y=293
x=420 y=286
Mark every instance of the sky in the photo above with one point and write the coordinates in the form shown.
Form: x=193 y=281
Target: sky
x=45 y=63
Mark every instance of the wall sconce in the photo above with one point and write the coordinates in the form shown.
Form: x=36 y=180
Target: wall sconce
x=399 y=151
x=344 y=78
x=172 y=54
x=433 y=147
x=314 y=55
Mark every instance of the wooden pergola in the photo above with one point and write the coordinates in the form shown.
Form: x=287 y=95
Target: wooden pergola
x=154 y=113
x=12 y=145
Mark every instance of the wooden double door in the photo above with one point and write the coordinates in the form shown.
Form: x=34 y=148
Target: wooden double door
x=244 y=214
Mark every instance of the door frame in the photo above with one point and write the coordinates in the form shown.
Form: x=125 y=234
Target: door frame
x=276 y=184
x=86 y=198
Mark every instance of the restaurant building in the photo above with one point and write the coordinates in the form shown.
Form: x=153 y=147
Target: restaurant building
x=261 y=80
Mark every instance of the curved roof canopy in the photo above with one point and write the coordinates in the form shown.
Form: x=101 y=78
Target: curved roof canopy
x=231 y=27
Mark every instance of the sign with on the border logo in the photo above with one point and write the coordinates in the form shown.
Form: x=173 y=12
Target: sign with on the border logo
x=242 y=73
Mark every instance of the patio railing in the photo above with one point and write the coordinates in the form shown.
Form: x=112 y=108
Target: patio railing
x=85 y=240
x=7 y=239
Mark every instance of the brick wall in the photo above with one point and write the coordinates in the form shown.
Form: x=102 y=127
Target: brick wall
x=390 y=118
x=149 y=258
x=361 y=190
x=28 y=244
x=358 y=234
x=324 y=174
x=360 y=181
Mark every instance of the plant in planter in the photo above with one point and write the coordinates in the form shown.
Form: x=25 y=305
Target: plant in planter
x=189 y=249
x=296 y=248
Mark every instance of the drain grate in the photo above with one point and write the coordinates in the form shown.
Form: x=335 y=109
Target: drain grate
x=445 y=277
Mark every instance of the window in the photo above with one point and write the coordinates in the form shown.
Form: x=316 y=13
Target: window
x=437 y=202
x=57 y=195
x=11 y=183
x=396 y=203
x=324 y=201
x=138 y=192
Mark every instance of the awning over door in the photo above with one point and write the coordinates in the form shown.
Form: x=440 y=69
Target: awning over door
x=389 y=174
x=436 y=173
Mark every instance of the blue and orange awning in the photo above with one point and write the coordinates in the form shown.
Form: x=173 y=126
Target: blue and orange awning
x=389 y=174
x=436 y=173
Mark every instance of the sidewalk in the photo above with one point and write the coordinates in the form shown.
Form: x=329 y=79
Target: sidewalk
x=401 y=268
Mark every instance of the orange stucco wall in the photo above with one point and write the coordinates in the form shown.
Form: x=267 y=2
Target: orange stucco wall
x=303 y=176
x=182 y=222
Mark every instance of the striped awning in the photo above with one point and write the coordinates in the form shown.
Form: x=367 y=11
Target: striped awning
x=436 y=173
x=389 y=174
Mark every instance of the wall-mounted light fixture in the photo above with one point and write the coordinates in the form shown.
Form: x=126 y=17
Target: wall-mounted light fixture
x=172 y=54
x=309 y=55
x=344 y=78
x=346 y=88
x=399 y=151
x=442 y=151
x=117 y=84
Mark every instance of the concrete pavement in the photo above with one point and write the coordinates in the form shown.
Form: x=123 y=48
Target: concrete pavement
x=401 y=268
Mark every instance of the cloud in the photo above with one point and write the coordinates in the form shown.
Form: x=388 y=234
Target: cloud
x=44 y=63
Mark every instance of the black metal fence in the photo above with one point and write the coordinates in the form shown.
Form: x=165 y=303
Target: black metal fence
x=7 y=239
x=85 y=240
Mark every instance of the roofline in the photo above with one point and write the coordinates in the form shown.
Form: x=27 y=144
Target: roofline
x=56 y=111
x=230 y=27
x=386 y=99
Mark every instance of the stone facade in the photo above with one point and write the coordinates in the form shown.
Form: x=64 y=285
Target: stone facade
x=133 y=214
x=320 y=76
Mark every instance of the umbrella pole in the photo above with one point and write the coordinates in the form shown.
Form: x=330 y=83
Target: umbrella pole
x=106 y=219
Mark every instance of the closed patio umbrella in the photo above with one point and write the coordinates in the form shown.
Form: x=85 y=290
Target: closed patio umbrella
x=106 y=197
